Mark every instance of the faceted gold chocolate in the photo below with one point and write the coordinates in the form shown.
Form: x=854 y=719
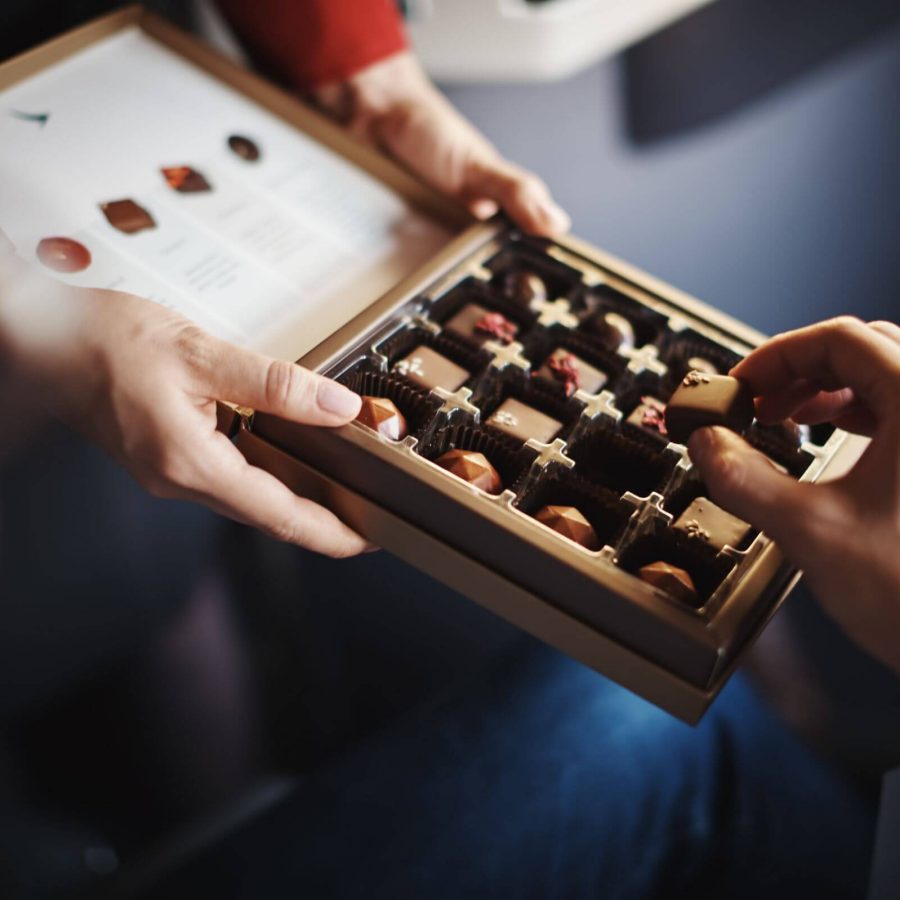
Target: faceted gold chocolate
x=570 y=523
x=471 y=466
x=186 y=180
x=704 y=521
x=63 y=254
x=126 y=216
x=702 y=399
x=671 y=579
x=382 y=415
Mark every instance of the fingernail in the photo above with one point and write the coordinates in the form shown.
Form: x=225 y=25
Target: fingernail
x=334 y=398
x=701 y=444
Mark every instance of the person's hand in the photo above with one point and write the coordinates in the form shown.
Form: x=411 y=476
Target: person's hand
x=394 y=105
x=844 y=534
x=141 y=381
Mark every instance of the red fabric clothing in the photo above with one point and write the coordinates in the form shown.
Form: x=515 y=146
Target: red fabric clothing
x=316 y=42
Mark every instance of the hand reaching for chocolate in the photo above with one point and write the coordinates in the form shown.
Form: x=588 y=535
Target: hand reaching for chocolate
x=844 y=534
x=142 y=382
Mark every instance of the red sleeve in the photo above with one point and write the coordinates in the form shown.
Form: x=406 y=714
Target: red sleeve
x=314 y=42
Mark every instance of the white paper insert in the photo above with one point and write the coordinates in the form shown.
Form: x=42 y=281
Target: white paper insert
x=278 y=255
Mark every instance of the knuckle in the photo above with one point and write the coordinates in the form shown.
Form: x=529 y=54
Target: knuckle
x=846 y=325
x=285 y=384
x=285 y=531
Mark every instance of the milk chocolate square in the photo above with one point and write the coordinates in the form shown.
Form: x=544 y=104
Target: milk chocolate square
x=572 y=372
x=524 y=422
x=704 y=521
x=430 y=369
x=480 y=324
x=704 y=399
x=126 y=216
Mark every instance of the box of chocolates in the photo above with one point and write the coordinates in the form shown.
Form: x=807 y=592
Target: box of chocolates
x=525 y=402
x=521 y=451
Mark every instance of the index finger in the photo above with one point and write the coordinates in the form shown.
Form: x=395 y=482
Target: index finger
x=838 y=353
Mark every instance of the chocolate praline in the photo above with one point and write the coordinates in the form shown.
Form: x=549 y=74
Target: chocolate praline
x=127 y=216
x=63 y=254
x=524 y=287
x=613 y=330
x=572 y=372
x=671 y=579
x=383 y=416
x=186 y=180
x=244 y=147
x=473 y=467
x=703 y=399
x=430 y=369
x=479 y=324
x=649 y=415
x=705 y=522
x=524 y=422
x=570 y=523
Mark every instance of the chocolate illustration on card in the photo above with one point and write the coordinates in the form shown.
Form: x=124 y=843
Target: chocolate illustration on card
x=186 y=180
x=127 y=216
x=63 y=254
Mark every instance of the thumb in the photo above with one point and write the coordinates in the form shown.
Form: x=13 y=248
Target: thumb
x=276 y=386
x=523 y=196
x=744 y=482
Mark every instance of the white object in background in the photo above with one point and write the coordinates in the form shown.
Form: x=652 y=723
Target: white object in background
x=518 y=40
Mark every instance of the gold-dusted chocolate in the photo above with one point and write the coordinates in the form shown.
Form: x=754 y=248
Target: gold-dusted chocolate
x=473 y=467
x=674 y=581
x=570 y=523
x=382 y=415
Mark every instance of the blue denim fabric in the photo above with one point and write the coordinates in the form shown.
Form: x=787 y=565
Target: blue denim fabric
x=540 y=778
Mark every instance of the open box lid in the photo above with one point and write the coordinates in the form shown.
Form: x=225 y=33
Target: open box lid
x=279 y=253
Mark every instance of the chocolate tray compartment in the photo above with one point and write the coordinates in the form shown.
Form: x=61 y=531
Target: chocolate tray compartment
x=684 y=346
x=544 y=342
x=691 y=489
x=518 y=388
x=768 y=440
x=643 y=414
x=606 y=512
x=510 y=458
x=659 y=544
x=418 y=406
x=403 y=343
x=620 y=463
x=474 y=291
x=529 y=255
x=649 y=326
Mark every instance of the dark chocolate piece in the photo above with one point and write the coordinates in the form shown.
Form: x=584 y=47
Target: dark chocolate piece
x=63 y=254
x=525 y=288
x=706 y=522
x=126 y=216
x=245 y=148
x=572 y=372
x=382 y=415
x=703 y=399
x=471 y=466
x=649 y=414
x=570 y=523
x=186 y=180
x=523 y=422
x=671 y=579
x=614 y=331
x=479 y=324
x=430 y=369
x=700 y=364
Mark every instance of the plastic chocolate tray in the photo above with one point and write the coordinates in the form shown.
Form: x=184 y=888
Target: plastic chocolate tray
x=468 y=343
